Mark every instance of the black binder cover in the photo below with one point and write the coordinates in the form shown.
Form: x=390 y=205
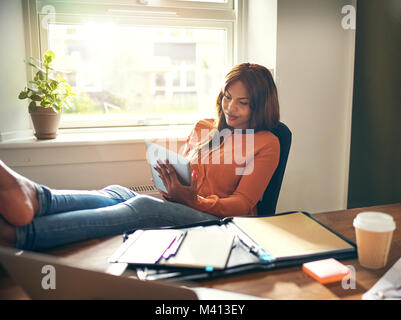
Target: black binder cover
x=244 y=260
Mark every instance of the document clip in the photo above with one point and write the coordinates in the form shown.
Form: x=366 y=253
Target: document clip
x=209 y=269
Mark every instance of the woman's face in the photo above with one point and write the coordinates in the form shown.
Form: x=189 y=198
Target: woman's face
x=235 y=104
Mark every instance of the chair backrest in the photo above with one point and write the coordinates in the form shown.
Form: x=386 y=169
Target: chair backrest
x=267 y=205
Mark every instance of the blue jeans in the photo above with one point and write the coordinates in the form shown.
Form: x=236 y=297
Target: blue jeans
x=67 y=216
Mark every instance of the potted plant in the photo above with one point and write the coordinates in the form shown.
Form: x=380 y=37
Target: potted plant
x=49 y=94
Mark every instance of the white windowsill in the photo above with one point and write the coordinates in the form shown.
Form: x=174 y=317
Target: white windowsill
x=102 y=136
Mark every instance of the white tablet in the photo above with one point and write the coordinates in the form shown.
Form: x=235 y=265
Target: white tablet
x=181 y=165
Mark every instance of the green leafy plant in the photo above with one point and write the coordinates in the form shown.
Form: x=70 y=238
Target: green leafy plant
x=48 y=90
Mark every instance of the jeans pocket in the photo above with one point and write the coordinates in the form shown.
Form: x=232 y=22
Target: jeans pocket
x=119 y=192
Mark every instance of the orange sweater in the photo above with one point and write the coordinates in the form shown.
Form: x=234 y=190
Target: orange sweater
x=222 y=189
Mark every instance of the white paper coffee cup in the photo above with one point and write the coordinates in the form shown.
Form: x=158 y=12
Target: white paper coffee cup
x=374 y=232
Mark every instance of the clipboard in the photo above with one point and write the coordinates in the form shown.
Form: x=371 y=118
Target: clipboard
x=260 y=244
x=194 y=248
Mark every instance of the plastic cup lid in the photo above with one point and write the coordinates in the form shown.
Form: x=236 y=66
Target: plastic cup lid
x=374 y=221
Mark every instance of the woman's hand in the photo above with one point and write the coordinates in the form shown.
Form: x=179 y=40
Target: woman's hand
x=176 y=191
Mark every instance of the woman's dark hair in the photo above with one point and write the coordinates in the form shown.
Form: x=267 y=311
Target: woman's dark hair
x=262 y=92
x=263 y=102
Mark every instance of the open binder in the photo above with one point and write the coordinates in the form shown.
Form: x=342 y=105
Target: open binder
x=244 y=244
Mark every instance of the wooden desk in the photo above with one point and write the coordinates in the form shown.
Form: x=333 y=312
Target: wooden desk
x=286 y=283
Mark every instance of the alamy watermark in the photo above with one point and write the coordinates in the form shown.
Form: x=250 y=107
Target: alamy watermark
x=349 y=281
x=49 y=16
x=224 y=147
x=49 y=280
x=349 y=20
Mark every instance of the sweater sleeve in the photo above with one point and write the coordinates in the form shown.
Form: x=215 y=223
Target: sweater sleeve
x=250 y=188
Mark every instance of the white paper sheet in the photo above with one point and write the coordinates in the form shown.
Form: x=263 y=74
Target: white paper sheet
x=391 y=279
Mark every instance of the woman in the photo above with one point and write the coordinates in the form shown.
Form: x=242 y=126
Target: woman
x=34 y=217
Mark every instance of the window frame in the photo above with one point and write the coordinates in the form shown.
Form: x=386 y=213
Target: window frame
x=65 y=5
x=174 y=13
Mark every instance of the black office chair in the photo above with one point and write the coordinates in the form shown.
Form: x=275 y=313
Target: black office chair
x=267 y=205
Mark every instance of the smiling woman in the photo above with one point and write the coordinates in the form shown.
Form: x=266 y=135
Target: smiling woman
x=255 y=89
x=235 y=104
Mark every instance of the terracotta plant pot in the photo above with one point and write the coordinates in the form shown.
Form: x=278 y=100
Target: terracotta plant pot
x=46 y=122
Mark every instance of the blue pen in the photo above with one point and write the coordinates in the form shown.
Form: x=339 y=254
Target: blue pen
x=259 y=251
x=263 y=254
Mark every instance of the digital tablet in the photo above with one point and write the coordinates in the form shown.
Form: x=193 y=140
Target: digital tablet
x=155 y=152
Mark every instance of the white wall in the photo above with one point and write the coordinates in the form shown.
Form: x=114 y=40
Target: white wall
x=262 y=32
x=86 y=165
x=315 y=59
x=14 y=115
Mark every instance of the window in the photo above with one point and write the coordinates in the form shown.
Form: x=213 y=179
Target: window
x=136 y=63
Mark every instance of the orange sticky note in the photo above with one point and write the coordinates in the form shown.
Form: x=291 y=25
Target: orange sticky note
x=326 y=271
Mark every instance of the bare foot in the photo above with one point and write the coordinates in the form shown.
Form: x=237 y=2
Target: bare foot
x=7 y=234
x=18 y=200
